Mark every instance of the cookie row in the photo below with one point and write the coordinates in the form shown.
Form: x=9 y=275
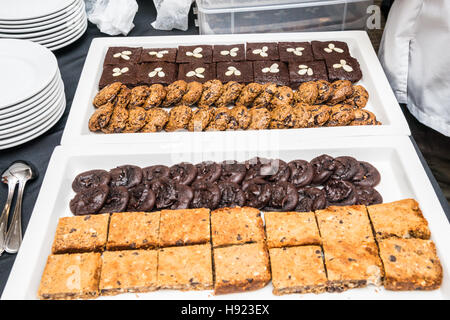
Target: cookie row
x=269 y=184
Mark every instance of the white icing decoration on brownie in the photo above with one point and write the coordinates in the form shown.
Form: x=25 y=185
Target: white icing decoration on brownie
x=158 y=71
x=272 y=69
x=158 y=54
x=262 y=52
x=231 y=52
x=232 y=70
x=297 y=51
x=118 y=71
x=125 y=55
x=304 y=69
x=195 y=53
x=343 y=64
x=198 y=72
x=332 y=47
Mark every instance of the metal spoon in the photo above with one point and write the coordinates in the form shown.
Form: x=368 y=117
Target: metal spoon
x=23 y=172
x=11 y=180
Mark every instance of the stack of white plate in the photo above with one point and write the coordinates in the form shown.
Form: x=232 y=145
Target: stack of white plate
x=32 y=95
x=52 y=23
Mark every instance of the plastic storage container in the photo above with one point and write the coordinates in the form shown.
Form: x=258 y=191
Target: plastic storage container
x=259 y=16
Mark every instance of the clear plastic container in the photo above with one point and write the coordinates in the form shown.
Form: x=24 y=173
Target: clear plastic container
x=259 y=16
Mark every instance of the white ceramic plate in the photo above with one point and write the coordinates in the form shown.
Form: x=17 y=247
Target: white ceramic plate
x=82 y=24
x=26 y=120
x=36 y=132
x=27 y=69
x=31 y=9
x=37 y=99
x=382 y=100
x=18 y=25
x=67 y=40
x=402 y=176
x=66 y=23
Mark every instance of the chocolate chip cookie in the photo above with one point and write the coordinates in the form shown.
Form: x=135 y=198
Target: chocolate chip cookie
x=156 y=120
x=107 y=94
x=175 y=92
x=230 y=93
x=341 y=115
x=179 y=118
x=249 y=94
x=260 y=118
x=307 y=92
x=212 y=90
x=193 y=94
x=200 y=119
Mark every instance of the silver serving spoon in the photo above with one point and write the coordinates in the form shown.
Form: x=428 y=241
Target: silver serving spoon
x=11 y=180
x=23 y=172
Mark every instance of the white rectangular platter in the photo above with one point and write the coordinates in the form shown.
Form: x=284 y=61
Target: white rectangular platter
x=402 y=176
x=381 y=101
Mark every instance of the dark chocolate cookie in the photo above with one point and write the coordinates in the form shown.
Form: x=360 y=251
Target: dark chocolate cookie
x=284 y=197
x=127 y=176
x=370 y=178
x=323 y=167
x=302 y=173
x=142 y=198
x=154 y=173
x=208 y=171
x=310 y=199
x=206 y=195
x=116 y=201
x=368 y=196
x=233 y=171
x=231 y=195
x=257 y=193
x=346 y=168
x=253 y=167
x=171 y=195
x=183 y=173
x=89 y=201
x=89 y=179
x=340 y=193
x=275 y=171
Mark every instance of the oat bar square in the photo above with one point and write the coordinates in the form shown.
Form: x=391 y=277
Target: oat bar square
x=297 y=270
x=185 y=268
x=285 y=229
x=81 y=234
x=236 y=226
x=133 y=230
x=401 y=219
x=70 y=276
x=184 y=227
x=241 y=268
x=410 y=264
x=128 y=271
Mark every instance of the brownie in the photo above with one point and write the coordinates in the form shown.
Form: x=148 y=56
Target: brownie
x=344 y=224
x=228 y=52
x=241 y=268
x=346 y=68
x=184 y=227
x=271 y=71
x=307 y=71
x=295 y=51
x=71 y=276
x=120 y=55
x=128 y=271
x=257 y=51
x=133 y=230
x=157 y=72
x=194 y=54
x=410 y=264
x=241 y=72
x=297 y=270
x=327 y=49
x=291 y=229
x=401 y=219
x=352 y=265
x=185 y=268
x=158 y=55
x=200 y=72
x=236 y=226
x=125 y=72
x=81 y=234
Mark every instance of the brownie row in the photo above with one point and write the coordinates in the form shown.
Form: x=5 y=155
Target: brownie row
x=285 y=63
x=269 y=184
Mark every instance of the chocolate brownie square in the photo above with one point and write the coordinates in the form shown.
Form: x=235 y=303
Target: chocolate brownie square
x=300 y=72
x=295 y=51
x=119 y=55
x=327 y=49
x=190 y=54
x=124 y=72
x=229 y=52
x=200 y=72
x=257 y=51
x=344 y=68
x=156 y=72
x=241 y=72
x=271 y=71
x=158 y=55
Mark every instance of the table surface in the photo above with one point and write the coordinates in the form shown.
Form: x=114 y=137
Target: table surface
x=71 y=61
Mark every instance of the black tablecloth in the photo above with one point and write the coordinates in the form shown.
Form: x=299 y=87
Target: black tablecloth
x=38 y=151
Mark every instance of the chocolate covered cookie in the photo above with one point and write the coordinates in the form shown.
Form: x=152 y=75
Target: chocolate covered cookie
x=89 y=201
x=323 y=167
x=340 y=193
x=89 y=179
x=231 y=195
x=183 y=173
x=208 y=171
x=142 y=198
x=233 y=171
x=127 y=176
x=116 y=201
x=152 y=173
x=284 y=197
x=302 y=173
x=310 y=199
x=368 y=196
x=206 y=195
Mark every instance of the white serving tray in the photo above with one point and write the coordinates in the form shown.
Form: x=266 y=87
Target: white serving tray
x=402 y=176
x=382 y=100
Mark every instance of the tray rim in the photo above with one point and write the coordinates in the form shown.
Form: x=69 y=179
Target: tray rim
x=83 y=95
x=21 y=275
